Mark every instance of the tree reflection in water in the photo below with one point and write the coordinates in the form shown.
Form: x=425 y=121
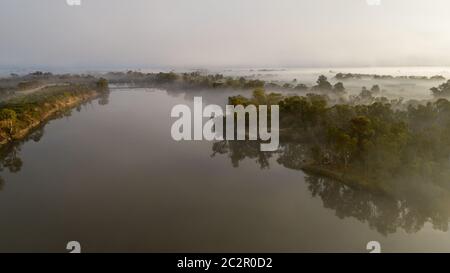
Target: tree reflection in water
x=385 y=213
x=239 y=150
x=10 y=154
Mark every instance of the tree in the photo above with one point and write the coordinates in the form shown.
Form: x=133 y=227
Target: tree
x=442 y=90
x=322 y=84
x=8 y=118
x=301 y=87
x=273 y=98
x=164 y=78
x=437 y=78
x=339 y=88
x=375 y=89
x=343 y=144
x=6 y=114
x=362 y=130
x=259 y=96
x=365 y=94
x=102 y=84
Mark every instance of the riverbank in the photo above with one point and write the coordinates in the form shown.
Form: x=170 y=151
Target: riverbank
x=19 y=117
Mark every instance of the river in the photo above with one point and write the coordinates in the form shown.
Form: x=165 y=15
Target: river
x=110 y=177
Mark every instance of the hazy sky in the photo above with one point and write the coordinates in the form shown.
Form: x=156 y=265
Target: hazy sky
x=202 y=33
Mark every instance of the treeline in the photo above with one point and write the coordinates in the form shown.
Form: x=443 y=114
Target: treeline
x=9 y=86
x=337 y=90
x=442 y=91
x=357 y=76
x=185 y=80
x=196 y=80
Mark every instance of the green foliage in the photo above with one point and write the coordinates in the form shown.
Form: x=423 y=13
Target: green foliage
x=102 y=84
x=164 y=78
x=200 y=79
x=358 y=76
x=259 y=97
x=442 y=90
x=7 y=114
x=19 y=113
x=374 y=141
x=238 y=100
x=375 y=89
x=301 y=87
x=339 y=88
x=322 y=84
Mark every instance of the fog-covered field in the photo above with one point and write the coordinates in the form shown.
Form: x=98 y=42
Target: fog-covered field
x=391 y=88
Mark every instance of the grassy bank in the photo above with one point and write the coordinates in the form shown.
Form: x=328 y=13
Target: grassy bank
x=21 y=115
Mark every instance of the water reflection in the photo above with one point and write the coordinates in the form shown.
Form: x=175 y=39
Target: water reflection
x=239 y=150
x=382 y=213
x=385 y=213
x=10 y=155
x=103 y=99
x=10 y=159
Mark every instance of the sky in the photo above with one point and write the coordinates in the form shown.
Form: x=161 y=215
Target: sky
x=224 y=33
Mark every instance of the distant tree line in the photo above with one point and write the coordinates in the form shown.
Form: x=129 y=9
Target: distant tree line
x=357 y=76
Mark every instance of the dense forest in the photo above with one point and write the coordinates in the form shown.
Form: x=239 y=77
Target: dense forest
x=378 y=144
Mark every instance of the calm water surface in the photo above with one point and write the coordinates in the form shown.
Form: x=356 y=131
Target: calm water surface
x=111 y=177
